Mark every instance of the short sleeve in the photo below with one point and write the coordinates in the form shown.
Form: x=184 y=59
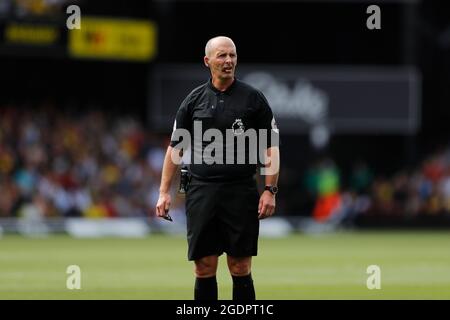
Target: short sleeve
x=182 y=121
x=266 y=120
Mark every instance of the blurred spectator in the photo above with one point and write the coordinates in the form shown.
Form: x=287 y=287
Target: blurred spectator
x=325 y=182
x=31 y=222
x=361 y=178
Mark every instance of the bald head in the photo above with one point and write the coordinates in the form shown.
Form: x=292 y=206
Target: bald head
x=215 y=43
x=221 y=59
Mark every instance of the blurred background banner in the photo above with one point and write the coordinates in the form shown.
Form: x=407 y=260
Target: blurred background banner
x=383 y=99
x=125 y=39
x=32 y=38
x=36 y=28
x=99 y=38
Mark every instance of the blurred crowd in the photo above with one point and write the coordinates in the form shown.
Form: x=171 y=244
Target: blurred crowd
x=424 y=190
x=96 y=164
x=72 y=165
x=421 y=191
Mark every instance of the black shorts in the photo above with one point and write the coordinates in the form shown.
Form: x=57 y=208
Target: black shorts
x=222 y=217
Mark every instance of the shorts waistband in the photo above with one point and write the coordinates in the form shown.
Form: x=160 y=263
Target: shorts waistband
x=246 y=179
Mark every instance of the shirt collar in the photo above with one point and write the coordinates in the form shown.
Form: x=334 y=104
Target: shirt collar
x=217 y=91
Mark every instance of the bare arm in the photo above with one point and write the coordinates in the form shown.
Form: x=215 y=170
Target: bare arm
x=170 y=167
x=267 y=204
x=273 y=167
x=169 y=170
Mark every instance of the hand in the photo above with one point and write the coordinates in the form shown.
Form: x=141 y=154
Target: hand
x=163 y=205
x=266 y=206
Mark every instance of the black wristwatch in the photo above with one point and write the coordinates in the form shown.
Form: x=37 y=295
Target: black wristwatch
x=273 y=189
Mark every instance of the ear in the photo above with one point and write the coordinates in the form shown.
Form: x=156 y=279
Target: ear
x=206 y=61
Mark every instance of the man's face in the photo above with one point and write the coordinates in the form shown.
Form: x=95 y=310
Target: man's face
x=222 y=60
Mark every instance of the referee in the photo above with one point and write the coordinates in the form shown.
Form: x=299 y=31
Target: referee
x=223 y=205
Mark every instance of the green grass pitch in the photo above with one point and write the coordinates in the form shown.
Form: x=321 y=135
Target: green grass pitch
x=414 y=265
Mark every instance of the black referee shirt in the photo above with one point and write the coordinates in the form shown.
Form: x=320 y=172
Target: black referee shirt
x=237 y=109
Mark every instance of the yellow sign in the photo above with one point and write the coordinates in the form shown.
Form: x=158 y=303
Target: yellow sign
x=31 y=34
x=121 y=39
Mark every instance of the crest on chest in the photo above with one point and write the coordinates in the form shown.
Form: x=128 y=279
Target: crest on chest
x=238 y=127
